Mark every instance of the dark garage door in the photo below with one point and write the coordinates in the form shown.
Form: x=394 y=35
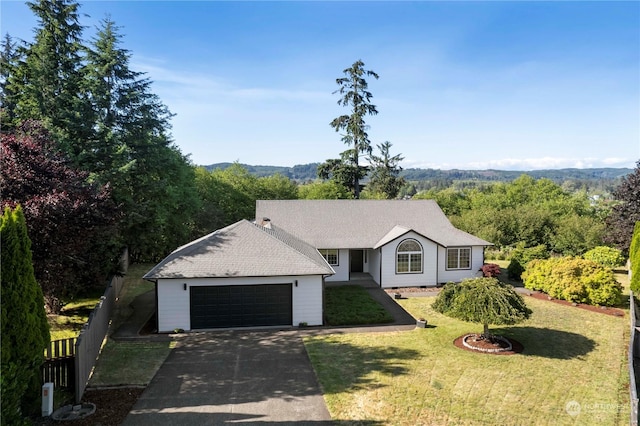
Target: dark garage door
x=240 y=306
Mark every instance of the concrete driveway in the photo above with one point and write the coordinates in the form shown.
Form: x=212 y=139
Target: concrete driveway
x=257 y=377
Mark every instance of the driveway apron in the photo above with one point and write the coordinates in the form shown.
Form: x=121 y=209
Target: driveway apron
x=210 y=378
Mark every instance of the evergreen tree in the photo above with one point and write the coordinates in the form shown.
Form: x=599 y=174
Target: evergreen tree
x=355 y=95
x=51 y=78
x=385 y=173
x=25 y=332
x=133 y=152
x=9 y=59
x=634 y=259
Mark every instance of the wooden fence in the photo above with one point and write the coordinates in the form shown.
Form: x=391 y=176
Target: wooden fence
x=69 y=362
x=634 y=345
x=59 y=364
x=90 y=339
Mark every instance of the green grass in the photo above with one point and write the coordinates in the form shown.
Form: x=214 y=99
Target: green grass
x=133 y=286
x=129 y=363
x=73 y=316
x=352 y=305
x=76 y=313
x=420 y=377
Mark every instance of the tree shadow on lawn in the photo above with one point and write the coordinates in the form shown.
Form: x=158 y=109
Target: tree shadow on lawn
x=549 y=343
x=343 y=366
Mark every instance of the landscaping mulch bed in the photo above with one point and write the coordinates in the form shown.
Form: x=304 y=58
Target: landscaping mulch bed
x=112 y=407
x=516 y=347
x=600 y=309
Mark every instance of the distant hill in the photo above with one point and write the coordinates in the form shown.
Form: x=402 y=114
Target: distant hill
x=307 y=172
x=302 y=172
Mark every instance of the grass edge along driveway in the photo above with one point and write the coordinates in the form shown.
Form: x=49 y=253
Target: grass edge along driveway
x=573 y=371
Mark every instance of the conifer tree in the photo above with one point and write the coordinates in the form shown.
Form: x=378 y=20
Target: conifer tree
x=9 y=59
x=385 y=172
x=51 y=79
x=25 y=332
x=356 y=96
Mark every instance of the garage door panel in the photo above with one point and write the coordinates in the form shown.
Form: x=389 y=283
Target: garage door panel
x=241 y=306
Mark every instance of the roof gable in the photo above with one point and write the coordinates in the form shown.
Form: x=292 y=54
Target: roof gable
x=242 y=249
x=362 y=223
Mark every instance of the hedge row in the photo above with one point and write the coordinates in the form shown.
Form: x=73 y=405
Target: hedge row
x=634 y=257
x=573 y=279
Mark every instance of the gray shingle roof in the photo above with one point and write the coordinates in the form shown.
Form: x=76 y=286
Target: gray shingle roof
x=243 y=249
x=362 y=223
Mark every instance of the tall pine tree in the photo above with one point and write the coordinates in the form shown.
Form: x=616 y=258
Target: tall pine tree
x=356 y=96
x=132 y=150
x=9 y=88
x=51 y=78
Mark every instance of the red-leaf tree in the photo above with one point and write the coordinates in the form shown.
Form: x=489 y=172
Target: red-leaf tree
x=71 y=223
x=626 y=213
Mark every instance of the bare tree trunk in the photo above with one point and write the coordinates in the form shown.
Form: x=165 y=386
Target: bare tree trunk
x=485 y=334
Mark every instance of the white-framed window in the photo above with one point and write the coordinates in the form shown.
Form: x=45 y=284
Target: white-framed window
x=330 y=255
x=459 y=258
x=409 y=257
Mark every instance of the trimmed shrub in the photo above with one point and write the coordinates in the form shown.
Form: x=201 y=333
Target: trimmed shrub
x=490 y=270
x=573 y=279
x=605 y=256
x=521 y=256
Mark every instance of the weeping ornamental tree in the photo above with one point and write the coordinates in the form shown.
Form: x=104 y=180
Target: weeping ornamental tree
x=482 y=300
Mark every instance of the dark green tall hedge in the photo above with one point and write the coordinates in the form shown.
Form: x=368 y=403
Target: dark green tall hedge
x=634 y=257
x=25 y=332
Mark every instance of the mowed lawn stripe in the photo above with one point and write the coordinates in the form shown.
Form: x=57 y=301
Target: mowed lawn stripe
x=420 y=377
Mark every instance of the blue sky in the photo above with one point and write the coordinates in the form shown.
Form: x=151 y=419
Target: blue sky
x=471 y=85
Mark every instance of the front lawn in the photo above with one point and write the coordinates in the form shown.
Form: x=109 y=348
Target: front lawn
x=419 y=377
x=129 y=363
x=352 y=305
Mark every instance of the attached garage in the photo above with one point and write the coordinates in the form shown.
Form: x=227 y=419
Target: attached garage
x=241 y=306
x=244 y=275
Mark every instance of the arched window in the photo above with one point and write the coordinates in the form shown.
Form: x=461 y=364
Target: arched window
x=409 y=257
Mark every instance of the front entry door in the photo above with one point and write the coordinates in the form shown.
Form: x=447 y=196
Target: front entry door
x=356 y=262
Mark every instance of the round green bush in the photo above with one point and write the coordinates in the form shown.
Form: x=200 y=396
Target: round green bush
x=605 y=256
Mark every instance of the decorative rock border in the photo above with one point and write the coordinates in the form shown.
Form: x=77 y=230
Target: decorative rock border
x=74 y=412
x=475 y=348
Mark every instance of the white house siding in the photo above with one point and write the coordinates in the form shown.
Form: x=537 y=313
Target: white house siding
x=445 y=276
x=374 y=264
x=174 y=307
x=307 y=300
x=342 y=269
x=428 y=277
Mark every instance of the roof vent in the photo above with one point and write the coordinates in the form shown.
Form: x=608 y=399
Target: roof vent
x=266 y=222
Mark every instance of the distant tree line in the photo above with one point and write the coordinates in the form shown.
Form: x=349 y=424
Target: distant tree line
x=597 y=180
